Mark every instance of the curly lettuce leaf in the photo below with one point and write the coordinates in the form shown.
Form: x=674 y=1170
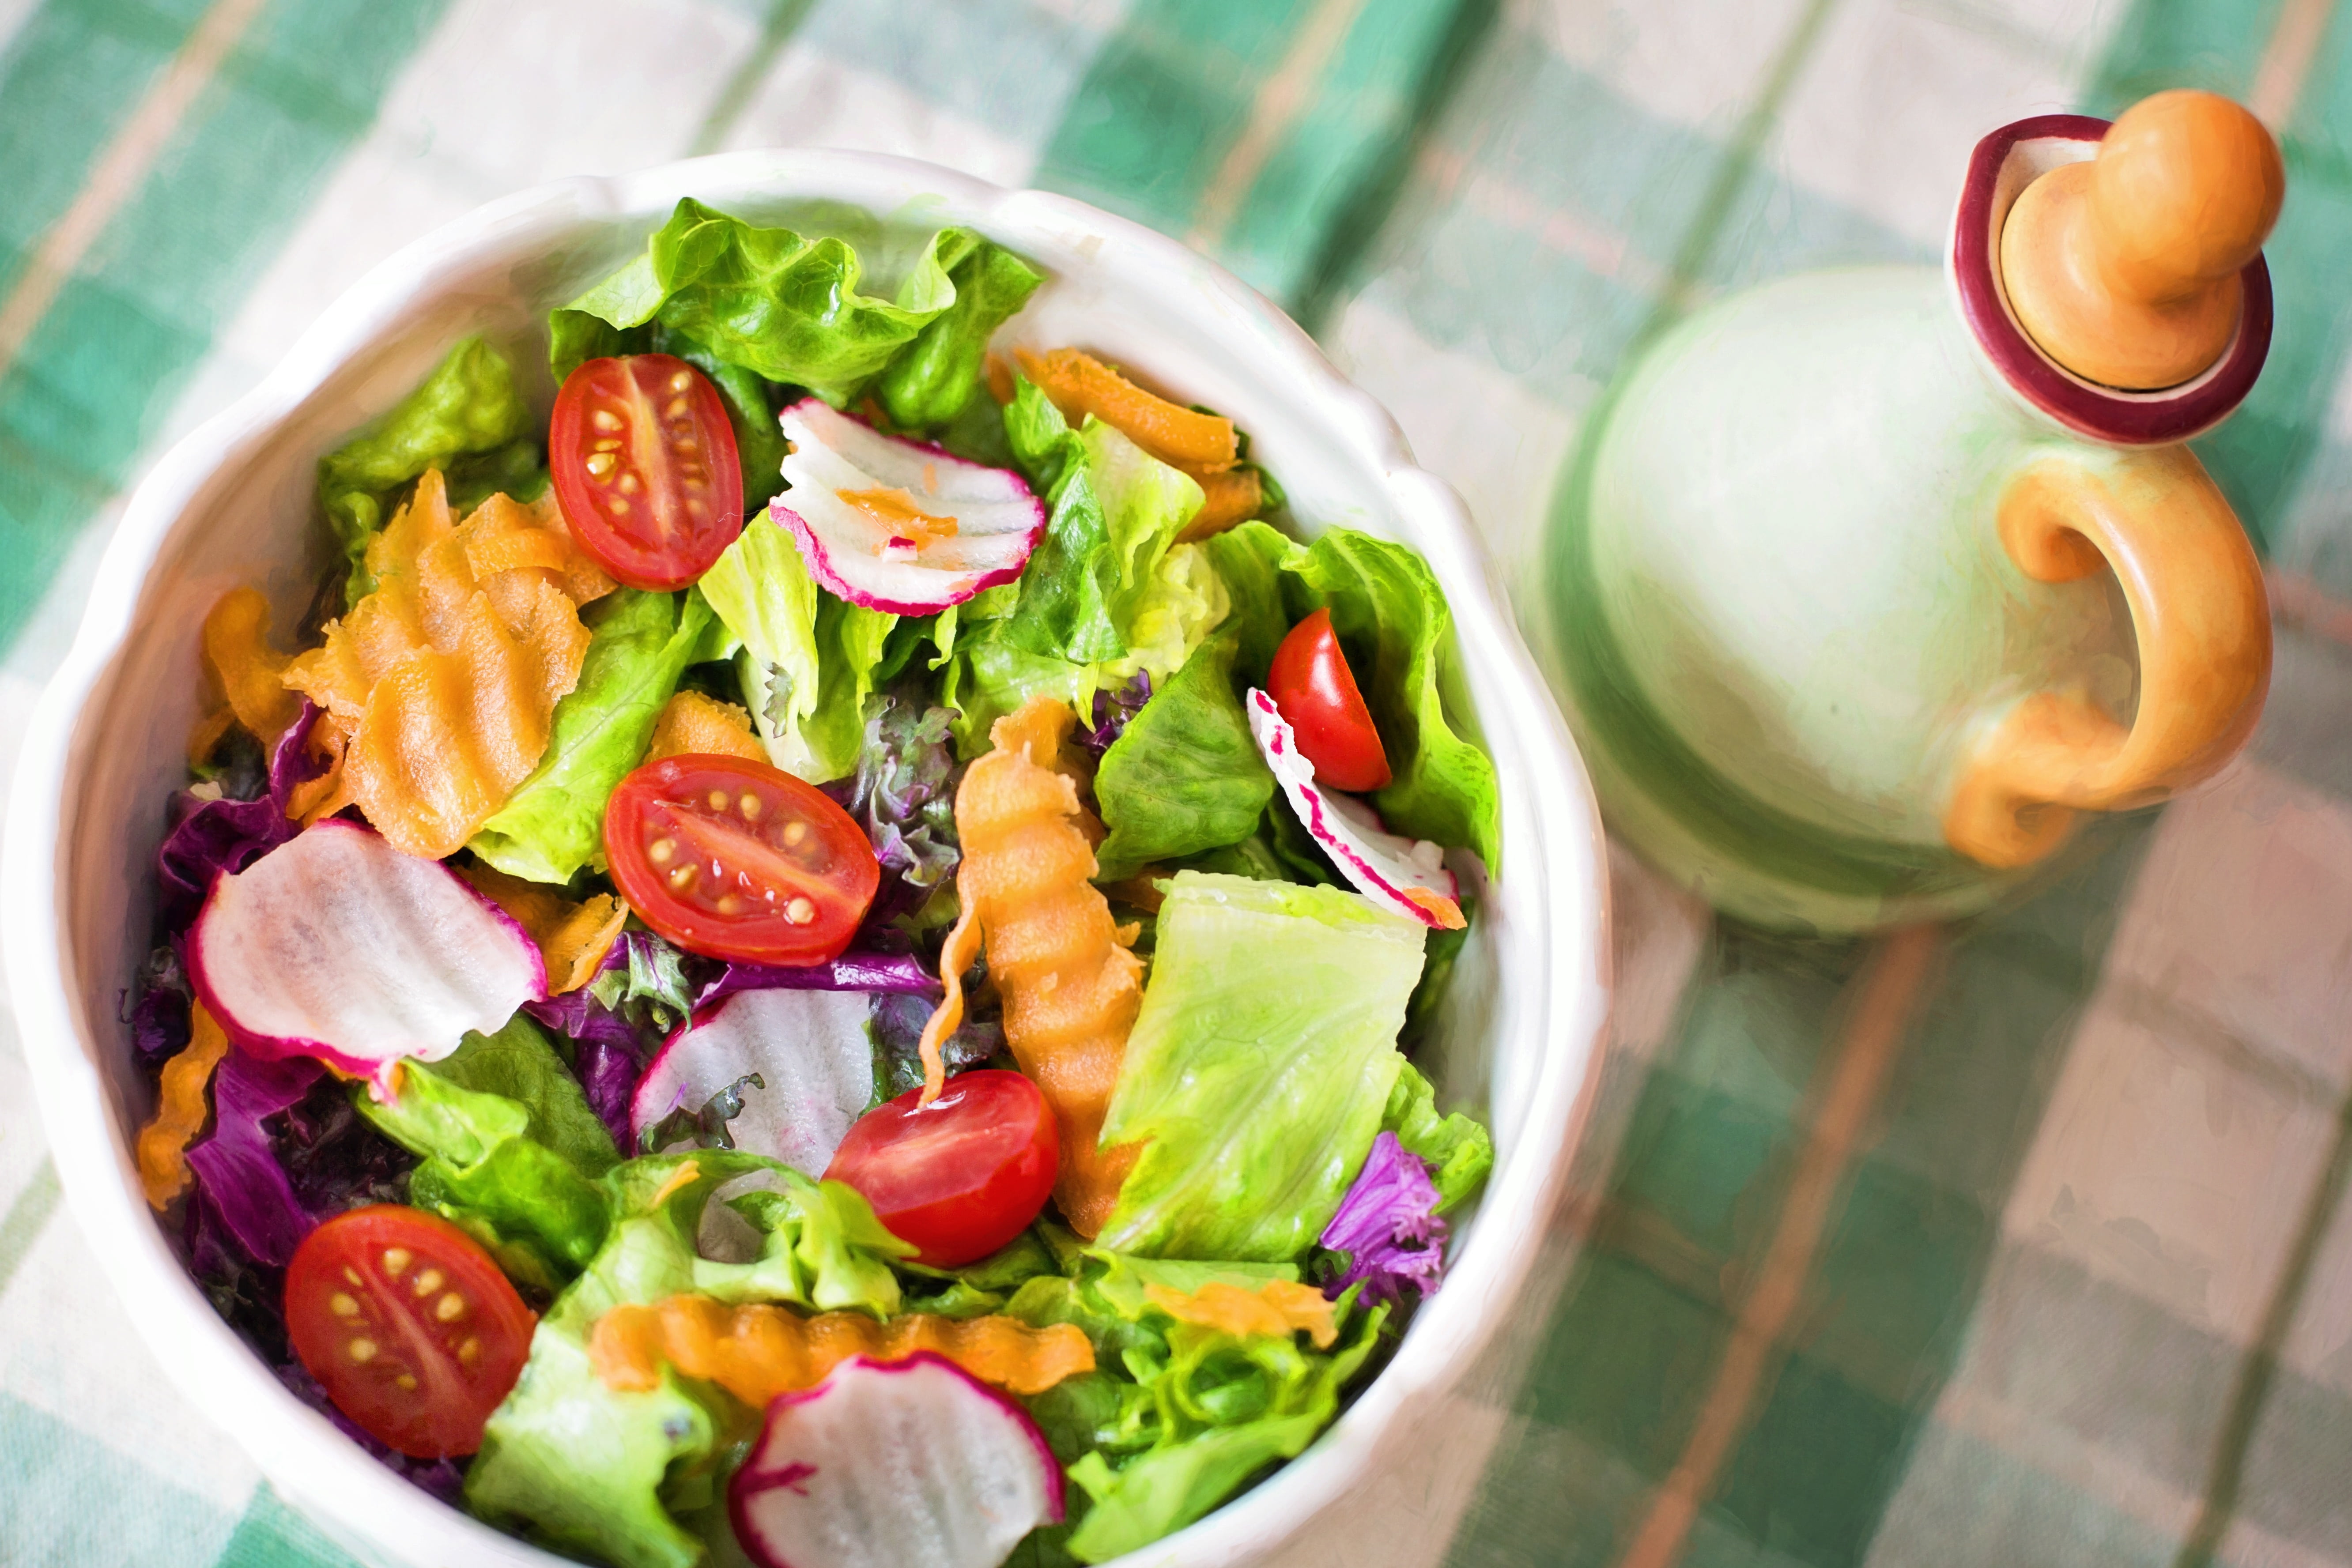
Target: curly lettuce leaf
x=520 y=1063
x=641 y=643
x=603 y=1473
x=467 y=419
x=809 y=660
x=1283 y=1001
x=1392 y=619
x=1185 y=776
x=1116 y=511
x=784 y=307
x=933 y=379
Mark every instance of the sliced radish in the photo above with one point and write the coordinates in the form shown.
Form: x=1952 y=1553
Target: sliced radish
x=896 y=525
x=1406 y=875
x=813 y=1052
x=337 y=945
x=884 y=1465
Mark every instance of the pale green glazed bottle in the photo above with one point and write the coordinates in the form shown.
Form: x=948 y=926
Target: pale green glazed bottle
x=1859 y=596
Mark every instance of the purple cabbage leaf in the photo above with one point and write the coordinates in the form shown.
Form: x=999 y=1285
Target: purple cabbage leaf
x=214 y=833
x=1387 y=1227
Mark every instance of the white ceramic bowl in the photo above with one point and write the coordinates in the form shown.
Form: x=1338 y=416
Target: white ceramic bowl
x=231 y=504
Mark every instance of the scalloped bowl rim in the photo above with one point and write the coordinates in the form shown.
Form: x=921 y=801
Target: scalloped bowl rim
x=1551 y=822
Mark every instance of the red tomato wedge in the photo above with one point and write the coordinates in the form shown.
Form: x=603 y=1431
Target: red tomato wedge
x=643 y=460
x=733 y=859
x=408 y=1325
x=958 y=1178
x=1311 y=683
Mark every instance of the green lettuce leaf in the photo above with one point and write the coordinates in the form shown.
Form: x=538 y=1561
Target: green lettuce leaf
x=1221 y=1409
x=1185 y=775
x=484 y=1170
x=932 y=380
x=1258 y=1068
x=782 y=307
x=553 y=823
x=1392 y=617
x=987 y=679
x=809 y=659
x=467 y=409
x=1116 y=511
x=602 y=1474
x=521 y=1064
x=1459 y=1152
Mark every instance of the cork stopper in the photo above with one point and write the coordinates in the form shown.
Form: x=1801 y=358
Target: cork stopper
x=2125 y=268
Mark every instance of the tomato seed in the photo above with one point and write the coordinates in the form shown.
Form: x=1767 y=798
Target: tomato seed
x=428 y=1282
x=363 y=1351
x=800 y=912
x=343 y=1306
x=681 y=381
x=604 y=419
x=794 y=834
x=620 y=506
x=677 y=409
x=631 y=483
x=750 y=806
x=405 y=1383
x=469 y=1352
x=395 y=1261
x=353 y=1275
x=719 y=799
x=601 y=463
x=683 y=878
x=450 y=1308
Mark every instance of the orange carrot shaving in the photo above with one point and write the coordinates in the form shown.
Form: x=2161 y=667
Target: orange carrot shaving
x=693 y=723
x=250 y=672
x=1276 y=1308
x=1070 y=987
x=756 y=1353
x=956 y=955
x=164 y=1141
x=1232 y=497
x=1079 y=384
x=445 y=677
x=1440 y=908
x=572 y=937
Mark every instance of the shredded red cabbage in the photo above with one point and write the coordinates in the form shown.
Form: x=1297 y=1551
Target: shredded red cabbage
x=240 y=1173
x=900 y=973
x=1112 y=712
x=1388 y=1227
x=211 y=836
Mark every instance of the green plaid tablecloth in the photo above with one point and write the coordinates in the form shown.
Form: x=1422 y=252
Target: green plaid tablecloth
x=2015 y=1243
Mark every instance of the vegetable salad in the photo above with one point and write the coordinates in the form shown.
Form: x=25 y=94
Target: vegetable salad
x=813 y=959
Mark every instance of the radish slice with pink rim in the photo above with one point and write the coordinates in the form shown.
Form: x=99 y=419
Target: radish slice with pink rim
x=897 y=525
x=336 y=945
x=890 y=1464
x=813 y=1051
x=1407 y=876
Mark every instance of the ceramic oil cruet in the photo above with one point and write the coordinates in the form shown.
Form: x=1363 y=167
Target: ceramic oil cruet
x=1866 y=584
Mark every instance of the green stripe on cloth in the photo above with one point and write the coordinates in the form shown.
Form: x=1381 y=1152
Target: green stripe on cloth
x=272 y=1535
x=1254 y=128
x=28 y=1215
x=98 y=372
x=68 y=1501
x=2258 y=456
x=1692 y=1209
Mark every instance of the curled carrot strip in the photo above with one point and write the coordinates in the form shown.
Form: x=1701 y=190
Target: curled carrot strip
x=756 y=1353
x=250 y=672
x=329 y=740
x=693 y=723
x=1232 y=497
x=1079 y=384
x=444 y=678
x=1070 y=987
x=1276 y=1308
x=572 y=937
x=956 y=956
x=179 y=1115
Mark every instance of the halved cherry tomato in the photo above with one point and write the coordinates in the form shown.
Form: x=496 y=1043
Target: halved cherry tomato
x=733 y=859
x=960 y=1176
x=643 y=460
x=408 y=1325
x=1311 y=683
